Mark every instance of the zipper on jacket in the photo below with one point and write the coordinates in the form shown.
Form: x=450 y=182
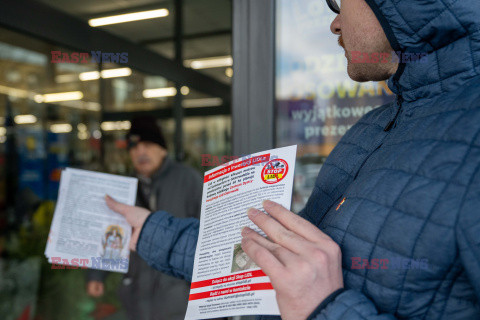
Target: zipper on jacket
x=393 y=122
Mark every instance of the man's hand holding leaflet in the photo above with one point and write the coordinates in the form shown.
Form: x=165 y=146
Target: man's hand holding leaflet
x=165 y=242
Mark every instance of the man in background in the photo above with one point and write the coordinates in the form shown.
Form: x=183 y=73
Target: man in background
x=145 y=293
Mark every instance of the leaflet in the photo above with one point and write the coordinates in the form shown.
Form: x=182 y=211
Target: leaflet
x=226 y=282
x=85 y=232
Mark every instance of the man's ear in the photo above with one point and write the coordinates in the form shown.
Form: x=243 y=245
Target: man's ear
x=164 y=152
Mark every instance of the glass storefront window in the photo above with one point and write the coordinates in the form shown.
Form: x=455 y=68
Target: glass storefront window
x=43 y=103
x=40 y=134
x=316 y=101
x=132 y=90
x=206 y=139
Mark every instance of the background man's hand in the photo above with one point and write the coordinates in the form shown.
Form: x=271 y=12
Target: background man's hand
x=303 y=263
x=135 y=216
x=95 y=288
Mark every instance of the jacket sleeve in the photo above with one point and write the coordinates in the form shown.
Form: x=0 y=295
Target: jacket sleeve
x=468 y=236
x=349 y=305
x=168 y=244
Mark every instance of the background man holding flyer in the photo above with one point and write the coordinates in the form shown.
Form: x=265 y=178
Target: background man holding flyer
x=403 y=183
x=146 y=293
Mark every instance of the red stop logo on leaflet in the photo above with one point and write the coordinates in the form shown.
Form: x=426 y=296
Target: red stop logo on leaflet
x=274 y=171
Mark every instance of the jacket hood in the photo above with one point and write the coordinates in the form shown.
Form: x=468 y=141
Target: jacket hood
x=447 y=31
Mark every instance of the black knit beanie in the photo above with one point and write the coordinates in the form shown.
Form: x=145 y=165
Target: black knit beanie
x=145 y=129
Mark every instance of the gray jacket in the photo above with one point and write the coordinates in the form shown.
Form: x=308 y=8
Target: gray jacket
x=147 y=294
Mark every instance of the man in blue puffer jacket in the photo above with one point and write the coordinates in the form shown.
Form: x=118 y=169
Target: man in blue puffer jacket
x=392 y=228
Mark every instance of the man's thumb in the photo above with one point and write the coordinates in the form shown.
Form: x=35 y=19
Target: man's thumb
x=118 y=207
x=134 y=239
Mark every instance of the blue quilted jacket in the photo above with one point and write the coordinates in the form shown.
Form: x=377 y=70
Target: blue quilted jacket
x=400 y=193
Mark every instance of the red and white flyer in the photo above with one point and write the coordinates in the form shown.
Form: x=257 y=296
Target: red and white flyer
x=226 y=282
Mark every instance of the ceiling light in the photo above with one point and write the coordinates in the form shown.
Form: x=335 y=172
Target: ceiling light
x=159 y=93
x=105 y=74
x=61 y=128
x=25 y=119
x=97 y=134
x=56 y=97
x=17 y=93
x=115 y=125
x=90 y=75
x=215 y=62
x=128 y=17
x=82 y=127
x=204 y=102
x=83 y=135
x=114 y=73
x=64 y=78
x=3 y=131
x=93 y=106
x=185 y=90
x=229 y=72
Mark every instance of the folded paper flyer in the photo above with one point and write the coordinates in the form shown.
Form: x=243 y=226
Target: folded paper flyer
x=84 y=232
x=226 y=282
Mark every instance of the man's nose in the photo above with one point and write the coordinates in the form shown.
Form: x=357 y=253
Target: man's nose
x=141 y=148
x=335 y=25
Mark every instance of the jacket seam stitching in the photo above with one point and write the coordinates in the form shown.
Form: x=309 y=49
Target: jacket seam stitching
x=352 y=307
x=353 y=144
x=372 y=243
x=418 y=175
x=394 y=288
x=413 y=91
x=446 y=8
x=335 y=166
x=431 y=210
x=440 y=80
x=447 y=297
x=412 y=31
x=446 y=111
x=456 y=142
x=348 y=227
x=401 y=211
